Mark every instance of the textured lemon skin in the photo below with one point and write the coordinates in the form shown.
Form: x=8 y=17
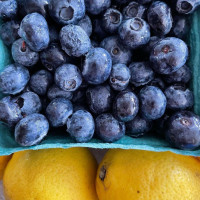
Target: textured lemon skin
x=144 y=175
x=3 y=163
x=51 y=174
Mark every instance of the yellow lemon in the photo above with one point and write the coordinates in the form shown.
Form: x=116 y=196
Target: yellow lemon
x=144 y=175
x=3 y=163
x=51 y=174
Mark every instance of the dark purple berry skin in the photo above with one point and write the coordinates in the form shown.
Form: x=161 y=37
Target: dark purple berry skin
x=138 y=127
x=108 y=128
x=152 y=102
x=86 y=24
x=141 y=73
x=160 y=18
x=183 y=130
x=168 y=55
x=125 y=106
x=134 y=32
x=187 y=6
x=8 y=9
x=179 y=97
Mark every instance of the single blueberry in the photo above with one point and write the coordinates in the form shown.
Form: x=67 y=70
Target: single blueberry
x=67 y=12
x=119 y=77
x=58 y=111
x=97 y=66
x=141 y=73
x=118 y=52
x=138 y=127
x=22 y=54
x=35 y=32
x=68 y=77
x=183 y=130
x=31 y=130
x=168 y=55
x=41 y=81
x=160 y=17
x=125 y=106
x=95 y=7
x=55 y=92
x=98 y=32
x=152 y=102
x=8 y=9
x=108 y=128
x=99 y=99
x=86 y=24
x=179 y=97
x=81 y=126
x=74 y=40
x=13 y=79
x=134 y=32
x=9 y=32
x=187 y=6
x=53 y=56
x=158 y=82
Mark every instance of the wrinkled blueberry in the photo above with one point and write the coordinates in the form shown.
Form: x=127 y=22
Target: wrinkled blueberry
x=41 y=81
x=141 y=73
x=22 y=54
x=152 y=102
x=81 y=126
x=8 y=9
x=168 y=55
x=134 y=32
x=31 y=130
x=108 y=128
x=187 y=6
x=74 y=40
x=13 y=79
x=67 y=12
x=119 y=77
x=97 y=66
x=183 y=130
x=68 y=77
x=158 y=82
x=34 y=30
x=58 y=111
x=86 y=24
x=118 y=52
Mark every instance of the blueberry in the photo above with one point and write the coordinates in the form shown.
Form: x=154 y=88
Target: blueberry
x=158 y=82
x=53 y=33
x=74 y=40
x=134 y=9
x=31 y=130
x=108 y=128
x=22 y=54
x=97 y=66
x=81 y=126
x=67 y=12
x=119 y=77
x=152 y=102
x=10 y=112
x=98 y=32
x=13 y=79
x=141 y=73
x=125 y=106
x=148 y=47
x=138 y=127
x=187 y=6
x=95 y=7
x=58 y=111
x=86 y=24
x=183 y=130
x=34 y=30
x=111 y=20
x=55 y=92
x=134 y=32
x=160 y=18
x=182 y=75
x=53 y=56
x=8 y=9
x=68 y=77
x=99 y=99
x=41 y=81
x=179 y=97
x=118 y=52
x=168 y=55
x=9 y=32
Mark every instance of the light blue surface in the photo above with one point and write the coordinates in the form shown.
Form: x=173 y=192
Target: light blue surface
x=151 y=143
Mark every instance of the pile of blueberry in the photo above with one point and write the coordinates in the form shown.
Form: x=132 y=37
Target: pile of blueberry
x=98 y=67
